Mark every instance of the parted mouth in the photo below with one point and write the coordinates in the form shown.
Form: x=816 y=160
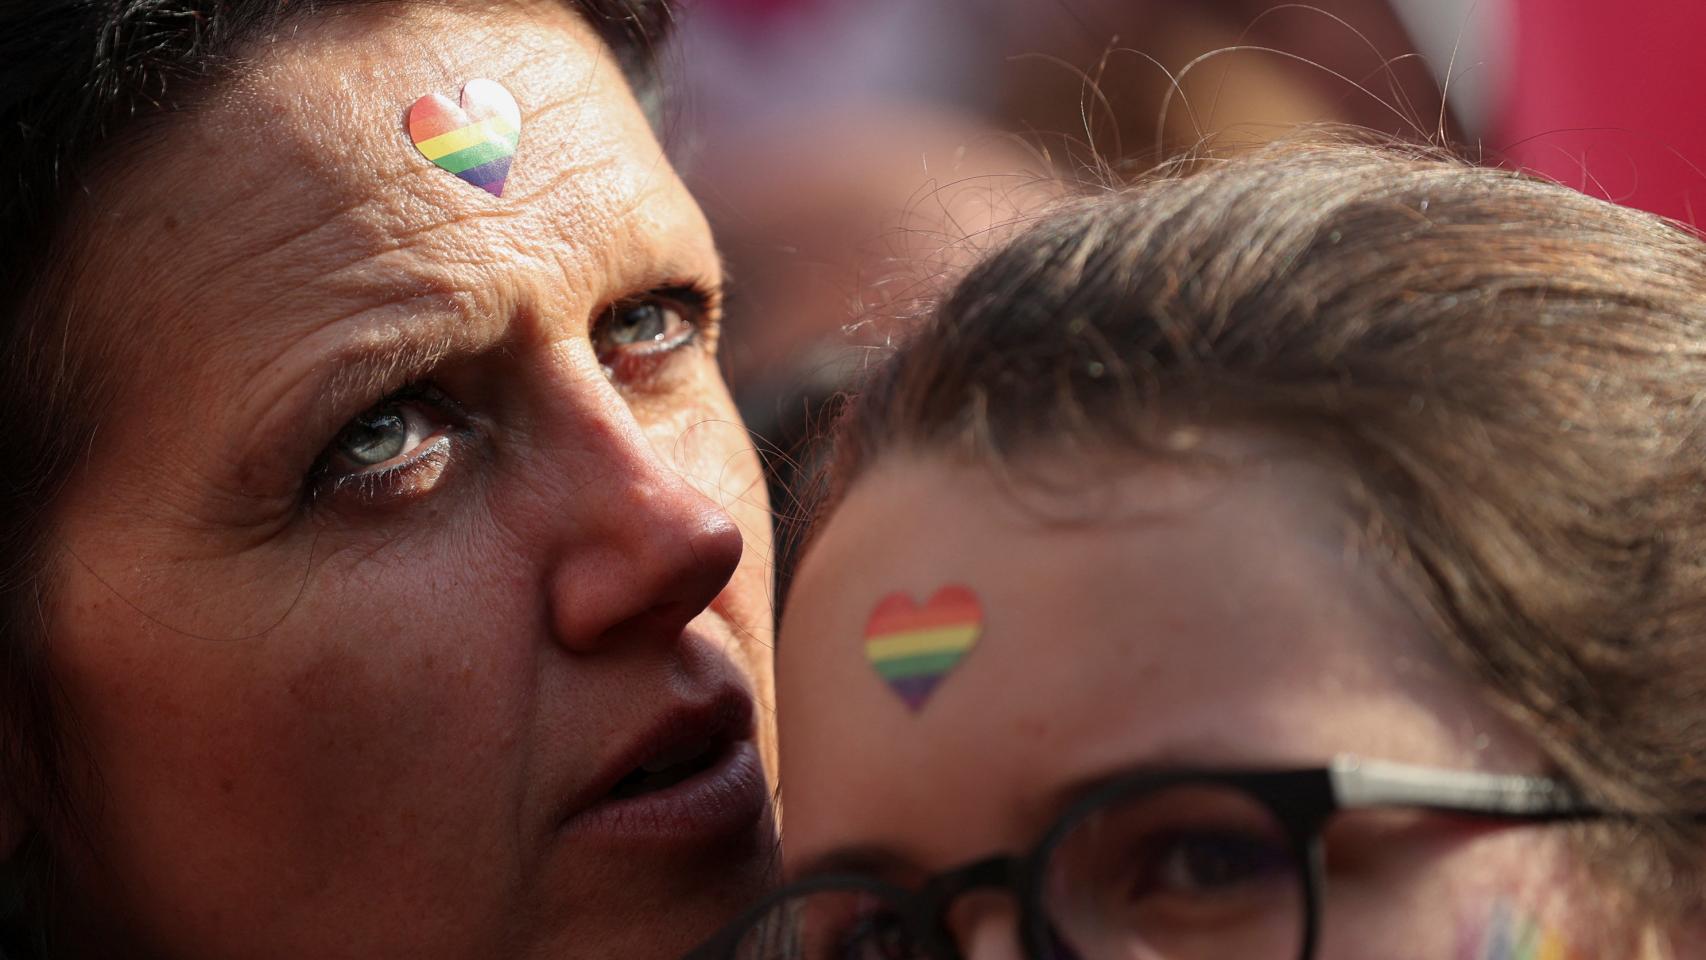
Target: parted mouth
x=693 y=772
x=672 y=764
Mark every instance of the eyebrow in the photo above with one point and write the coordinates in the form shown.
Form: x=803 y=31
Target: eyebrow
x=358 y=370
x=1204 y=754
x=367 y=368
x=363 y=368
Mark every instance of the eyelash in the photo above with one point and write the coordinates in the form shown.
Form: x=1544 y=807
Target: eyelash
x=383 y=483
x=377 y=484
x=700 y=305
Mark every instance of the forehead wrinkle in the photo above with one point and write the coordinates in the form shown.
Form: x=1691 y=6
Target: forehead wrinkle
x=189 y=268
x=386 y=202
x=552 y=59
x=352 y=111
x=519 y=206
x=635 y=232
x=397 y=198
x=351 y=363
x=298 y=309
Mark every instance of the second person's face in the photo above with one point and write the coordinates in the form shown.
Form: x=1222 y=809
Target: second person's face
x=1161 y=617
x=414 y=601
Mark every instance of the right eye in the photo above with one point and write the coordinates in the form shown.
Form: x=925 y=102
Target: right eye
x=396 y=447
x=382 y=433
x=1190 y=871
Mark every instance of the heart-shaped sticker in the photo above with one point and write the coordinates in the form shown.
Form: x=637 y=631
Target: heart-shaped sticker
x=476 y=141
x=913 y=647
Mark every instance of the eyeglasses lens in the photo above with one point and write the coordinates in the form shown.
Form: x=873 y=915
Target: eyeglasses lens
x=1188 y=872
x=831 y=925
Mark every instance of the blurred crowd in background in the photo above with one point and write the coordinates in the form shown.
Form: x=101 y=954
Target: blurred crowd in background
x=865 y=148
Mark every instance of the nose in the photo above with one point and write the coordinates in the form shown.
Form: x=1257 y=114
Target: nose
x=646 y=552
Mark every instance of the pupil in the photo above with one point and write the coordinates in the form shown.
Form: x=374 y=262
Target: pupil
x=1215 y=866
x=639 y=323
x=1216 y=863
x=375 y=437
x=881 y=936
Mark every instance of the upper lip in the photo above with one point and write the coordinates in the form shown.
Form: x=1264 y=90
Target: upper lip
x=723 y=719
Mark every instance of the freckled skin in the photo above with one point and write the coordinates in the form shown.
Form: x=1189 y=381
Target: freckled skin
x=1201 y=619
x=347 y=729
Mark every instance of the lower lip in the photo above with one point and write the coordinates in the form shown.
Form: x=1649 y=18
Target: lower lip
x=726 y=799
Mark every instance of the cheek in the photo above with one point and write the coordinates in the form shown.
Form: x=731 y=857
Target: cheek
x=702 y=438
x=1504 y=894
x=714 y=452
x=699 y=433
x=371 y=730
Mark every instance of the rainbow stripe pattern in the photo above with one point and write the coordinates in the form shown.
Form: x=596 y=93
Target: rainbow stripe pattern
x=1511 y=934
x=477 y=140
x=914 y=647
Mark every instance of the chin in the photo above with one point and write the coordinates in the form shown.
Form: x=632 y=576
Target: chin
x=655 y=904
x=662 y=911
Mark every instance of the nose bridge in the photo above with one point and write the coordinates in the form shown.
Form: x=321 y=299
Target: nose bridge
x=985 y=924
x=639 y=549
x=981 y=908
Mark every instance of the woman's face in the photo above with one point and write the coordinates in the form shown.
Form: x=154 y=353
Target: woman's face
x=1199 y=619
x=402 y=606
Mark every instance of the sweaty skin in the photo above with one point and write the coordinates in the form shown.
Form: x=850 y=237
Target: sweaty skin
x=351 y=718
x=1142 y=614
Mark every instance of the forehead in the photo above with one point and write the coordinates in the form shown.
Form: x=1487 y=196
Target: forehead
x=1258 y=550
x=297 y=186
x=1179 y=615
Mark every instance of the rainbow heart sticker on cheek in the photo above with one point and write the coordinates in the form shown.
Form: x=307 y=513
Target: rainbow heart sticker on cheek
x=476 y=141
x=914 y=647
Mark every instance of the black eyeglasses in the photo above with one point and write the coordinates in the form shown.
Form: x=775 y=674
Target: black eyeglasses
x=1150 y=866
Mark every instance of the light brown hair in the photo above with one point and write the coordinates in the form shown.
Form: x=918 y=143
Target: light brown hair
x=1511 y=377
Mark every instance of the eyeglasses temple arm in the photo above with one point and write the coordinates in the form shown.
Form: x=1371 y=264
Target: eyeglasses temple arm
x=1359 y=783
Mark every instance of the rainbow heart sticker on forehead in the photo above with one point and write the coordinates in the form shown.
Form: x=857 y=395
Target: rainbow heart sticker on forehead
x=913 y=647
x=476 y=141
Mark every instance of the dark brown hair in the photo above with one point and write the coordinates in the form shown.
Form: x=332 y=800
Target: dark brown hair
x=1511 y=377
x=78 y=77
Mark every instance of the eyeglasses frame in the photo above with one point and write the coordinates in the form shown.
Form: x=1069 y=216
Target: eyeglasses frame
x=1302 y=802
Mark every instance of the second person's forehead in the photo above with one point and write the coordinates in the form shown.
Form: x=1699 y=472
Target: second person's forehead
x=1246 y=597
x=1154 y=662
